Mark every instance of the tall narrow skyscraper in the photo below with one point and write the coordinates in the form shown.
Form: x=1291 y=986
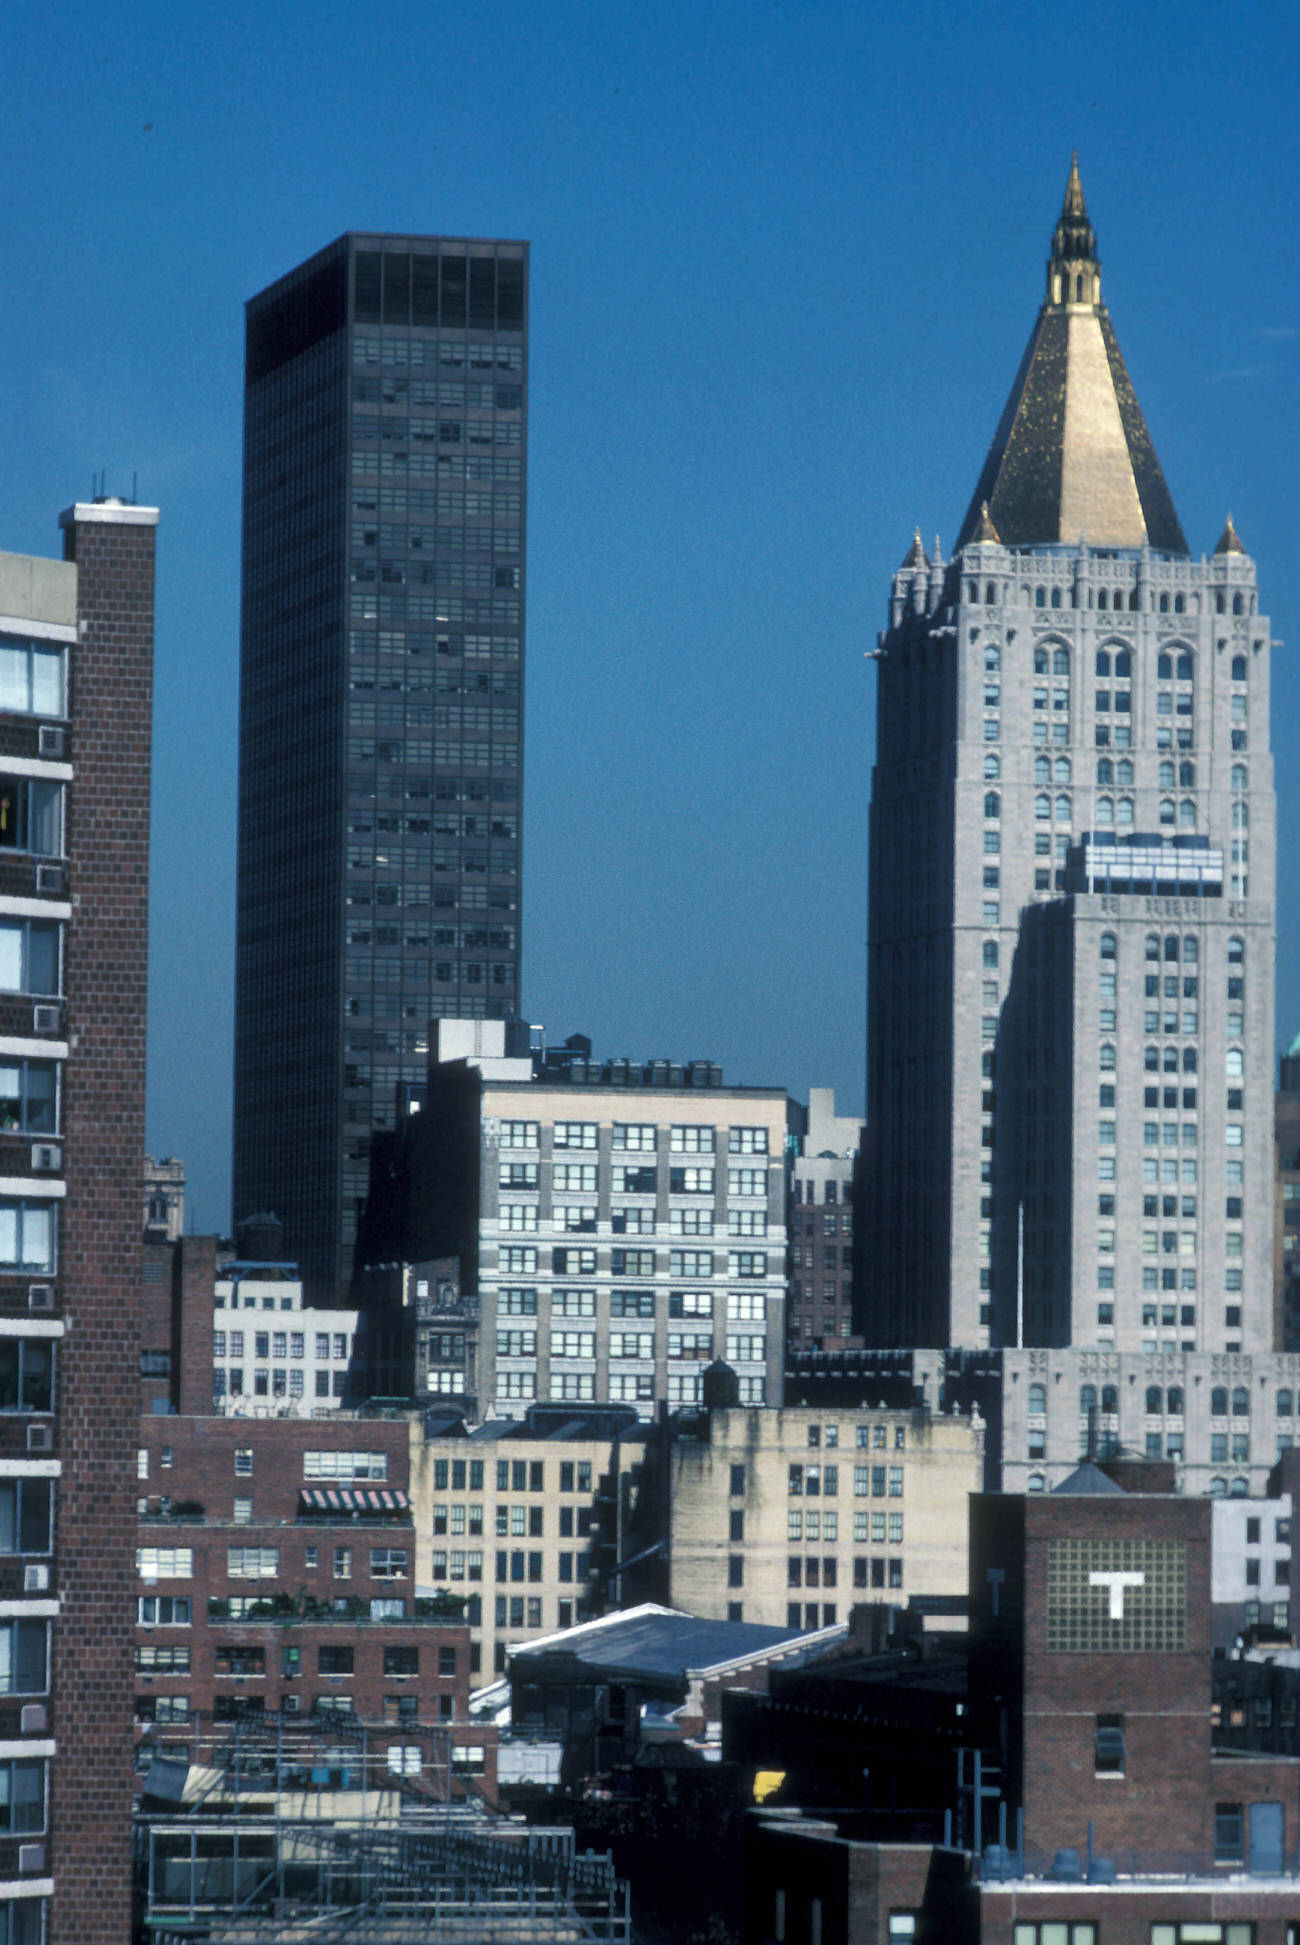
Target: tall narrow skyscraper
x=381 y=709
x=1072 y=893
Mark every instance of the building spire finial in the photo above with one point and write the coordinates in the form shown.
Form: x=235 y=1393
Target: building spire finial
x=1074 y=272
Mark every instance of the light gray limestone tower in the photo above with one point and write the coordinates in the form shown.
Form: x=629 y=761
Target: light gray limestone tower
x=1072 y=901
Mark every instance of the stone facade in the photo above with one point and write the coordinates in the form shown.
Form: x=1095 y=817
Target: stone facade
x=788 y=1518
x=1072 y=900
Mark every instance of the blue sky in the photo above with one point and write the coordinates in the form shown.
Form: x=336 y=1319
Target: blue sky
x=785 y=261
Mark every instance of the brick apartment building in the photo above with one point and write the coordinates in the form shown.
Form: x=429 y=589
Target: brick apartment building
x=820 y=1216
x=76 y=646
x=276 y=1567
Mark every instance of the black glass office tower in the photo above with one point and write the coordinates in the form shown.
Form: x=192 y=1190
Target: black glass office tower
x=381 y=704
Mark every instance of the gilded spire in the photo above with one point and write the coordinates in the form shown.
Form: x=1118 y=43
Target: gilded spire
x=1072 y=454
x=915 y=556
x=985 y=534
x=1074 y=271
x=1229 y=540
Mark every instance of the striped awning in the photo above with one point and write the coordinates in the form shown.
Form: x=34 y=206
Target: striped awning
x=347 y=1500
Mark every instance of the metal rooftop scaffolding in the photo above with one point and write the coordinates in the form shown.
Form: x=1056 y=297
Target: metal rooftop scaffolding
x=389 y=1856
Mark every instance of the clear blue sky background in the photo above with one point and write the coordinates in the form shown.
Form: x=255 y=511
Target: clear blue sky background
x=785 y=261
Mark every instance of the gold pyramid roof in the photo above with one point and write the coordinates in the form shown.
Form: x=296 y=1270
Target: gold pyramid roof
x=1072 y=458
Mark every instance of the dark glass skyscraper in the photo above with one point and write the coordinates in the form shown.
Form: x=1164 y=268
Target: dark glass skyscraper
x=381 y=706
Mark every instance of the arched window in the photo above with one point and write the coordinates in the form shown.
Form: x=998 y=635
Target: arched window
x=1060 y=661
x=1103 y=662
x=1124 y=811
x=1179 y=604
x=1123 y=660
x=1174 y=1403
x=1170 y=1060
x=1164 y=664
x=990 y=952
x=1239 y=668
x=1284 y=1404
x=1036 y=1483
x=1166 y=810
x=1164 y=604
x=1171 y=945
x=1087 y=1399
x=1151 y=1059
x=1187 y=776
x=1040 y=597
x=1218 y=1487
x=1108 y=945
x=1040 y=661
x=1109 y=1400
x=1240 y=814
x=1056 y=597
x=1062 y=811
x=1240 y=1402
x=1042 y=769
x=1037 y=1400
x=1042 y=806
x=990 y=593
x=1105 y=810
x=1133 y=600
x=1191 y=950
x=992 y=658
x=1061 y=769
x=1155 y=1400
x=1124 y=770
x=1152 y=946
x=1240 y=776
x=1184 y=668
x=1165 y=774
x=1239 y=1489
x=1219 y=1402
x=1189 y=1060
x=1235 y=1064
x=1236 y=952
x=1106 y=1058
x=1236 y=605
x=1105 y=770
x=1103 y=598
x=992 y=767
x=992 y=804
x=1187 y=814
x=972 y=590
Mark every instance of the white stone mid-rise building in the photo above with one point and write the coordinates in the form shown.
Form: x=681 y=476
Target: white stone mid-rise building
x=620 y=1225
x=1072 y=895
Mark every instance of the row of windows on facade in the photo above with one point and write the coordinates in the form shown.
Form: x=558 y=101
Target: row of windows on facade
x=742 y=1306
x=397 y=389
x=444 y=354
x=621 y=1387
x=1225 y=1402
x=636 y=1136
x=1116 y=664
x=237 y=1658
x=1116 y=600
x=263 y=1562
x=282 y=1344
x=521 y=1259
x=628 y=1178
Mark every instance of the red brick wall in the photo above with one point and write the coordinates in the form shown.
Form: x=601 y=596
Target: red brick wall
x=100 y=1274
x=202 y=1464
x=194 y=1270
x=1163 y=1801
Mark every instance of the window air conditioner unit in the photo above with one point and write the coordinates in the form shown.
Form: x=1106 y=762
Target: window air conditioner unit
x=46 y=1156
x=49 y=877
x=40 y=1438
x=31 y=1857
x=40 y=1296
x=36 y=1579
x=45 y=1019
x=52 y=742
x=34 y=1720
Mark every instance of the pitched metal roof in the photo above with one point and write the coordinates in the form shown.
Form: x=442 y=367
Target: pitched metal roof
x=1072 y=458
x=1088 y=1479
